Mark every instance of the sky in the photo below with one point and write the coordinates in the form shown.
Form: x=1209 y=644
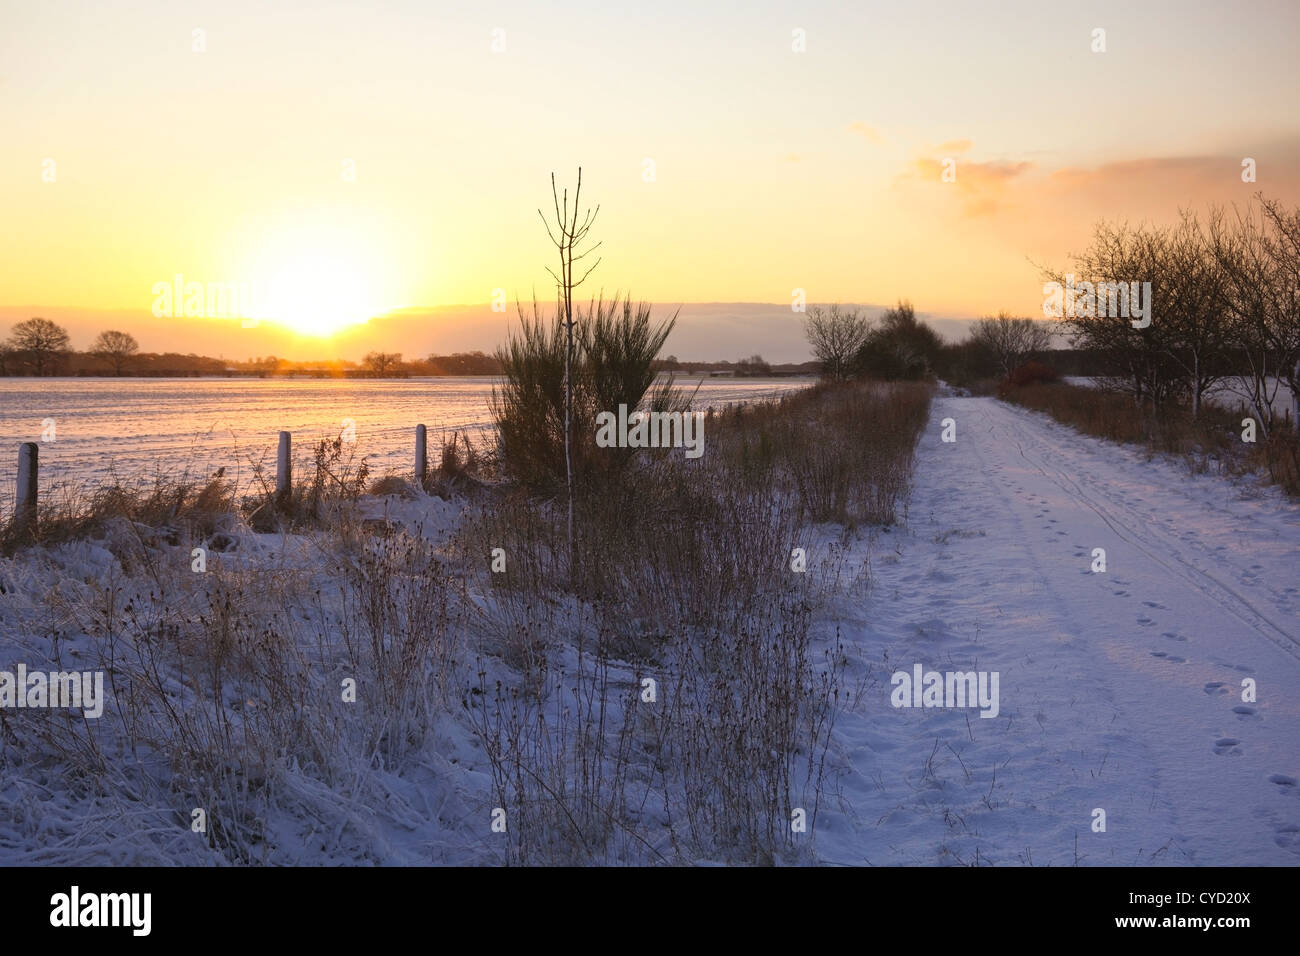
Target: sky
x=349 y=161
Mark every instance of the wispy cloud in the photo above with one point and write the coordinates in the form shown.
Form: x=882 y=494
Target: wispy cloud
x=954 y=146
x=981 y=185
x=868 y=132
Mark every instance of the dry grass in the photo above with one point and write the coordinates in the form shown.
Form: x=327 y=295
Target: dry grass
x=226 y=685
x=1211 y=442
x=845 y=452
x=684 y=576
x=225 y=693
x=177 y=510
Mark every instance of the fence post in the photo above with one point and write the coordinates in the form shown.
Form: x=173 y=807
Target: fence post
x=25 y=509
x=421 y=454
x=1295 y=400
x=284 y=468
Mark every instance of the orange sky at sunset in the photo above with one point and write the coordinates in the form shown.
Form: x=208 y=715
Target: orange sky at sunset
x=348 y=163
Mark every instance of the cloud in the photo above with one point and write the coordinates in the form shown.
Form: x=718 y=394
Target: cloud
x=982 y=186
x=954 y=146
x=1046 y=213
x=869 y=133
x=1154 y=187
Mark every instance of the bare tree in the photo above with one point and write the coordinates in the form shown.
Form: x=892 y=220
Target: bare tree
x=381 y=363
x=835 y=335
x=1117 y=256
x=41 y=341
x=116 y=348
x=1285 y=251
x=1010 y=339
x=567 y=237
x=1189 y=286
x=1258 y=259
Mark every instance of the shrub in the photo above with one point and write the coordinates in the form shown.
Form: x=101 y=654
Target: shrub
x=615 y=349
x=1031 y=373
x=902 y=347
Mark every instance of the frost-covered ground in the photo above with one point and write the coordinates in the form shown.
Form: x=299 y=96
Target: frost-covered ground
x=1120 y=691
x=135 y=427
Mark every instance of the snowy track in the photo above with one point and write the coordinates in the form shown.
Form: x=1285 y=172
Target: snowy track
x=1120 y=691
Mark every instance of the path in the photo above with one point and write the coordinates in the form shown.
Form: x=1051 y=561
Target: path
x=1119 y=690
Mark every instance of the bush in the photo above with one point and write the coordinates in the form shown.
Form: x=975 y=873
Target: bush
x=901 y=348
x=967 y=365
x=1031 y=373
x=615 y=347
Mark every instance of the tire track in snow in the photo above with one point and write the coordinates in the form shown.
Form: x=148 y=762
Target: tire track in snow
x=1121 y=519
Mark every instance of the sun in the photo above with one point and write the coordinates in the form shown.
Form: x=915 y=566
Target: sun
x=319 y=295
x=320 y=275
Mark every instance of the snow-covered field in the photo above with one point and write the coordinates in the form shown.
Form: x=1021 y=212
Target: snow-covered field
x=1119 y=691
x=131 y=428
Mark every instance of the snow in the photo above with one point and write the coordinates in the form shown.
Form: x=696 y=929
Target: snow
x=1119 y=690
x=126 y=429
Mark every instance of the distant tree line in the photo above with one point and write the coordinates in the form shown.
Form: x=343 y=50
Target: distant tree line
x=39 y=347
x=848 y=345
x=1222 y=304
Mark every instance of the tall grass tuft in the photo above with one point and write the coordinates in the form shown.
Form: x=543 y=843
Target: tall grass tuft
x=616 y=345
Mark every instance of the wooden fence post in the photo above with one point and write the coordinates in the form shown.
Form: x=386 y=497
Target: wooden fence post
x=25 y=506
x=421 y=454
x=284 y=468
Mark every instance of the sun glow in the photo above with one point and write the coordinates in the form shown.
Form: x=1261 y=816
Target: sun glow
x=315 y=296
x=318 y=280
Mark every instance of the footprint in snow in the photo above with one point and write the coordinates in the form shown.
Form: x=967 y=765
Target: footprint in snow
x=1227 y=745
x=1245 y=712
x=1282 y=780
x=1236 y=667
x=1171 y=658
x=1146 y=622
x=1288 y=837
x=1178 y=637
x=1121 y=594
x=1158 y=607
